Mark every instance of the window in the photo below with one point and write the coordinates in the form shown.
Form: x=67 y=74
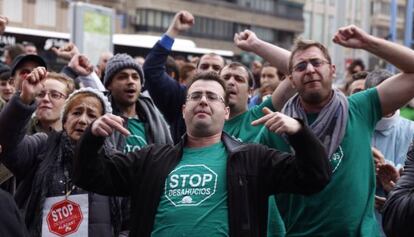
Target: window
x=45 y=12
x=13 y=10
x=318 y=27
x=210 y=28
x=307 y=26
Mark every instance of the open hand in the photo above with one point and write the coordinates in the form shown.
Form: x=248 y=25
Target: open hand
x=388 y=175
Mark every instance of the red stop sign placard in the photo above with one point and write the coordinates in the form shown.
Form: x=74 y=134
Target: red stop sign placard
x=64 y=218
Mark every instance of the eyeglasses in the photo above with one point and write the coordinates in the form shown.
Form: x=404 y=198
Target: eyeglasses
x=315 y=62
x=54 y=95
x=210 y=96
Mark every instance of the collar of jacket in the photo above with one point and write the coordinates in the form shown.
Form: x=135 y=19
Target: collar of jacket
x=230 y=142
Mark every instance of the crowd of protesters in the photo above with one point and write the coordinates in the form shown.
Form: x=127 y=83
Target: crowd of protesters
x=163 y=146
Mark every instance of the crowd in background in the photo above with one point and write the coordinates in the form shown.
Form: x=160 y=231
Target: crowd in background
x=118 y=137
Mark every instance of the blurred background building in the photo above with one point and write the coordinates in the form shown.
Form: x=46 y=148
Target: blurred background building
x=276 y=21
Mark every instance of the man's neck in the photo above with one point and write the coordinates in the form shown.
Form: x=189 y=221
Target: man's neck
x=236 y=112
x=312 y=108
x=194 y=142
x=128 y=111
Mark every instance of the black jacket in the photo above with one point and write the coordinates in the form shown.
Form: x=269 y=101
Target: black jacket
x=253 y=173
x=398 y=211
x=30 y=158
x=11 y=222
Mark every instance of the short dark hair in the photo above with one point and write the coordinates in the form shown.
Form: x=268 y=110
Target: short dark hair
x=209 y=76
x=302 y=44
x=376 y=77
x=250 y=77
x=15 y=50
x=359 y=75
x=212 y=55
x=354 y=64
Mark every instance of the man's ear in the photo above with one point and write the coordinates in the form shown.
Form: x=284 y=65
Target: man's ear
x=182 y=110
x=289 y=77
x=333 y=68
x=227 y=112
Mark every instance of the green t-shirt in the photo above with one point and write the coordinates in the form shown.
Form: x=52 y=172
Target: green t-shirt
x=138 y=138
x=346 y=206
x=194 y=202
x=240 y=126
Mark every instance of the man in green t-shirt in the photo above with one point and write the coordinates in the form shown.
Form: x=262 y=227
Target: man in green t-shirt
x=124 y=79
x=345 y=125
x=209 y=184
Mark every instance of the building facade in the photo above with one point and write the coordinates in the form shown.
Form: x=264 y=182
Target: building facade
x=323 y=17
x=276 y=21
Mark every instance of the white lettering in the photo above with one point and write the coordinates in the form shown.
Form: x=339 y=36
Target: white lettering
x=54 y=216
x=174 y=181
x=70 y=208
x=184 y=176
x=65 y=211
x=197 y=183
x=206 y=178
x=59 y=212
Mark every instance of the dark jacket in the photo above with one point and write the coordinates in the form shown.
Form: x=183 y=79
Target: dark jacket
x=11 y=222
x=30 y=158
x=398 y=211
x=253 y=173
x=167 y=94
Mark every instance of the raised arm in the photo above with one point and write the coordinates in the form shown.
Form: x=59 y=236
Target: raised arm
x=399 y=89
x=277 y=56
x=19 y=151
x=166 y=92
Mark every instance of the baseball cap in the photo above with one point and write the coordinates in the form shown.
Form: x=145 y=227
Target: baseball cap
x=22 y=58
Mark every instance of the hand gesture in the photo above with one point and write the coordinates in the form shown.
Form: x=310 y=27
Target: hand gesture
x=278 y=123
x=181 y=22
x=3 y=23
x=31 y=84
x=107 y=124
x=66 y=52
x=80 y=63
x=352 y=37
x=246 y=40
x=378 y=157
x=388 y=175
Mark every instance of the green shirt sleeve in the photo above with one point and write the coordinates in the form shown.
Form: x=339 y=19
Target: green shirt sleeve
x=367 y=105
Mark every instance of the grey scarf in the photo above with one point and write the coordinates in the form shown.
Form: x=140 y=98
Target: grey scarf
x=330 y=124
